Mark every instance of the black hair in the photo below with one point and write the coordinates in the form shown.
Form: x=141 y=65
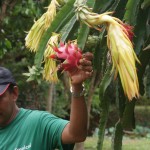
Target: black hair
x=11 y=87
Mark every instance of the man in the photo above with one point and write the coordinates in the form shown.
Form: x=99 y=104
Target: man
x=22 y=129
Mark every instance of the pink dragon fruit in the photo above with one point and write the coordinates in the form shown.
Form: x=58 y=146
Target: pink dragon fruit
x=69 y=54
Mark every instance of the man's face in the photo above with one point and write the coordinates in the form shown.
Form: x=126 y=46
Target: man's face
x=7 y=106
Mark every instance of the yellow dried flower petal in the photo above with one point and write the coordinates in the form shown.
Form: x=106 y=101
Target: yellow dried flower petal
x=40 y=26
x=49 y=72
x=120 y=46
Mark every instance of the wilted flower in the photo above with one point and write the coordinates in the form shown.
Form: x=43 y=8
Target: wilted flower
x=50 y=68
x=119 y=36
x=40 y=26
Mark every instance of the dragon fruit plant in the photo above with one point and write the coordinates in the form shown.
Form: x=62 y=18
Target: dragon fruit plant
x=119 y=36
x=119 y=42
x=73 y=20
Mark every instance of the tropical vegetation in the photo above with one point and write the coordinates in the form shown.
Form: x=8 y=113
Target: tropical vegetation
x=105 y=89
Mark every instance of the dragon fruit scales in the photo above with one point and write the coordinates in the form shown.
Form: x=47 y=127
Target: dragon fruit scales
x=69 y=54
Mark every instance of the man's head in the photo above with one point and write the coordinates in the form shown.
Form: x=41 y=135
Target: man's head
x=8 y=96
x=6 y=79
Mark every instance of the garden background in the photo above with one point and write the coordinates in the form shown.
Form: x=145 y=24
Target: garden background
x=16 y=19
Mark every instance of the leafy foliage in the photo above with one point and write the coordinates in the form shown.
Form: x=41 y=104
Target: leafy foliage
x=14 y=55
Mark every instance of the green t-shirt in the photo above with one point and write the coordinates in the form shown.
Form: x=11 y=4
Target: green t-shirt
x=32 y=130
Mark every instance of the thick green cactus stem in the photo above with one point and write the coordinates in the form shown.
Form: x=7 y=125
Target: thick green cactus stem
x=104 y=106
x=117 y=137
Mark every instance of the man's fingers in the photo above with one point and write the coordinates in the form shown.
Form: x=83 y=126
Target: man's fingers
x=85 y=62
x=86 y=68
x=88 y=56
x=89 y=73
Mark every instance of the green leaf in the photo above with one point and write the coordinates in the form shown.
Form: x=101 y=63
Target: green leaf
x=148 y=27
x=120 y=9
x=100 y=51
x=67 y=29
x=82 y=36
x=90 y=3
x=144 y=58
x=73 y=32
x=105 y=82
x=128 y=121
x=104 y=106
x=140 y=30
x=132 y=8
x=31 y=78
x=117 y=137
x=84 y=31
x=145 y=4
x=101 y=6
x=61 y=19
x=8 y=44
x=104 y=5
x=114 y=5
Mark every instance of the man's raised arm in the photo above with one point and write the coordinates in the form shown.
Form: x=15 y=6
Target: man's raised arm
x=76 y=129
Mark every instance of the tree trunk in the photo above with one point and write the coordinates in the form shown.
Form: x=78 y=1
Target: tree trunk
x=50 y=97
x=94 y=83
x=5 y=5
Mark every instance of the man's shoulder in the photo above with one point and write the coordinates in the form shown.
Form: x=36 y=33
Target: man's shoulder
x=34 y=118
x=35 y=113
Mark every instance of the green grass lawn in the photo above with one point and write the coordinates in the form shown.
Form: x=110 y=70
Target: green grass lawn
x=128 y=144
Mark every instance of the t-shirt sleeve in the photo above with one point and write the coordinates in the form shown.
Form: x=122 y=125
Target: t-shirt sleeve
x=51 y=128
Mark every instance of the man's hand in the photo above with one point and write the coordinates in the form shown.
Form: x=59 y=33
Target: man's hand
x=84 y=70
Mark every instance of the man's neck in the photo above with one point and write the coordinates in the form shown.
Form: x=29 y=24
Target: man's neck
x=15 y=112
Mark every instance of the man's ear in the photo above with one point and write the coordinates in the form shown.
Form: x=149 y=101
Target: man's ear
x=15 y=93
